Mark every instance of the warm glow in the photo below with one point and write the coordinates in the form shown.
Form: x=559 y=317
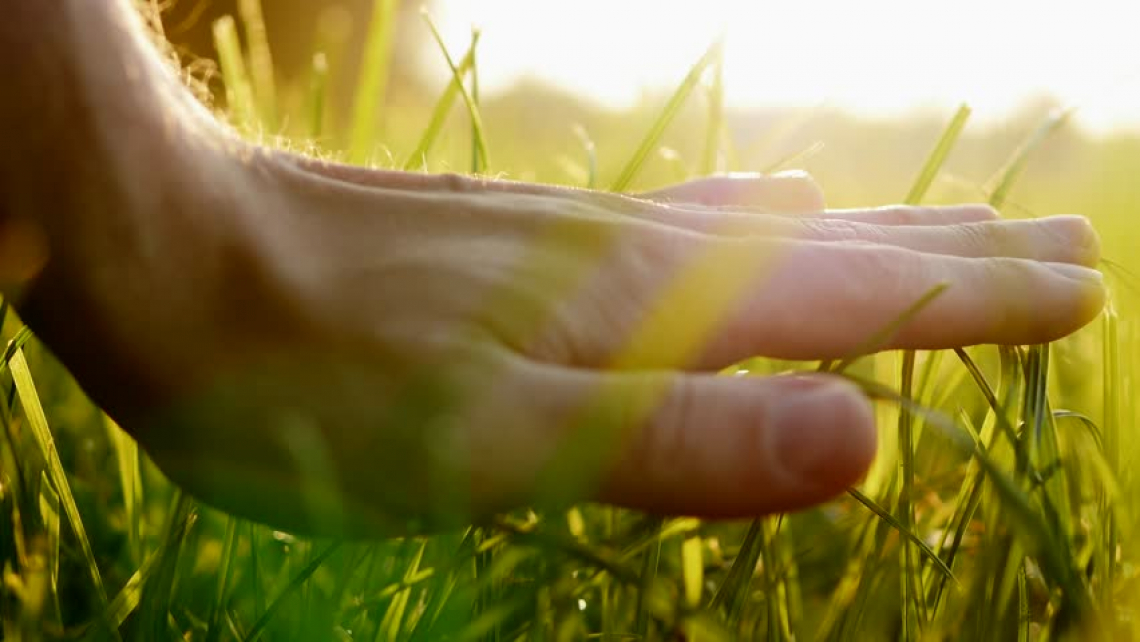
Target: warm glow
x=878 y=57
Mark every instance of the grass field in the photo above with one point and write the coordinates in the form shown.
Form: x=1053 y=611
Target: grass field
x=1002 y=506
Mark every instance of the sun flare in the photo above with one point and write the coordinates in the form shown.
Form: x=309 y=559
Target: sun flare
x=873 y=57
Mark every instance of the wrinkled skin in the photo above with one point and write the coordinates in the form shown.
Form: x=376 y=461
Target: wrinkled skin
x=346 y=351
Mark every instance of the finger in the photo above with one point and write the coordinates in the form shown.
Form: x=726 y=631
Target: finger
x=671 y=443
x=1063 y=239
x=824 y=301
x=791 y=192
x=709 y=303
x=915 y=215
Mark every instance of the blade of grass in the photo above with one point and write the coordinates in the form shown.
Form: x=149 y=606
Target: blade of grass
x=477 y=133
x=1111 y=452
x=294 y=584
x=907 y=533
x=318 y=95
x=129 y=597
x=130 y=480
x=239 y=89
x=710 y=162
x=913 y=604
x=591 y=150
x=794 y=159
x=261 y=67
x=33 y=411
x=692 y=570
x=372 y=84
x=49 y=516
x=938 y=157
x=1008 y=175
x=1029 y=526
x=417 y=160
x=733 y=592
x=394 y=618
x=158 y=589
x=225 y=569
x=879 y=340
x=911 y=593
x=649 y=569
x=478 y=148
x=672 y=108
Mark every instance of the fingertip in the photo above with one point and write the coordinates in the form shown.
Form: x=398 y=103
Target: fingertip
x=1086 y=297
x=733 y=447
x=823 y=438
x=1077 y=234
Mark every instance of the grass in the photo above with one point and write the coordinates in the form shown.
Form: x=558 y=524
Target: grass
x=1002 y=505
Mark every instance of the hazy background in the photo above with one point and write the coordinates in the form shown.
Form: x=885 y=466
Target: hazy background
x=866 y=86
x=874 y=57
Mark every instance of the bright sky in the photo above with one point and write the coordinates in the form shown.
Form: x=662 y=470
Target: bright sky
x=879 y=57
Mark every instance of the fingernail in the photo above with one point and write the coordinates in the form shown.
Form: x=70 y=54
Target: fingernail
x=820 y=432
x=1077 y=235
x=1077 y=272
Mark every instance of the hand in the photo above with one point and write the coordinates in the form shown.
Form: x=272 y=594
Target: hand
x=332 y=349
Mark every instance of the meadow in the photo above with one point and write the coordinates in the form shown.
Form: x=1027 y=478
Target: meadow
x=1002 y=505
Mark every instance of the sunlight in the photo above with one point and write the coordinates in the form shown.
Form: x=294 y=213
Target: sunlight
x=876 y=57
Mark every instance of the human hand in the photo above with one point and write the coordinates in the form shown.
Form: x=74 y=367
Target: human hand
x=341 y=350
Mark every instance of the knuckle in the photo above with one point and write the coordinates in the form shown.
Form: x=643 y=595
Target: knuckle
x=664 y=442
x=981 y=239
x=901 y=214
x=844 y=231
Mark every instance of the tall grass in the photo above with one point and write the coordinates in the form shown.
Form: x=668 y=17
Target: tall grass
x=1001 y=506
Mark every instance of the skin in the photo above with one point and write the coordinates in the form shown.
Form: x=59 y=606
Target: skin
x=346 y=351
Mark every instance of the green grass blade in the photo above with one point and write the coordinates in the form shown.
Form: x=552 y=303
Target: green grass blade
x=879 y=340
x=477 y=133
x=672 y=108
x=650 y=566
x=1006 y=178
x=478 y=147
x=795 y=159
x=714 y=134
x=225 y=570
x=239 y=89
x=733 y=592
x=29 y=399
x=130 y=596
x=417 y=160
x=318 y=95
x=261 y=67
x=394 y=618
x=987 y=391
x=591 y=157
x=908 y=534
x=294 y=584
x=17 y=343
x=1111 y=452
x=913 y=602
x=692 y=570
x=372 y=85
x=49 y=516
x=158 y=588
x=130 y=480
x=938 y=157
x=911 y=594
